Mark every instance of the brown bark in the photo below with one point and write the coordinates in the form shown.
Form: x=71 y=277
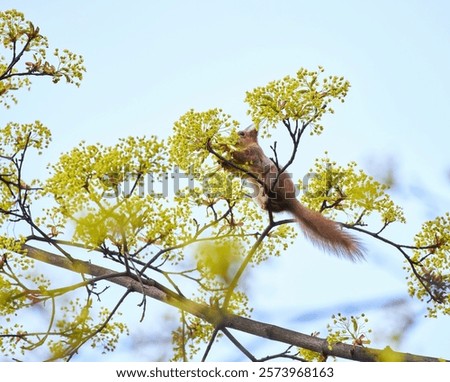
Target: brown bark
x=220 y=319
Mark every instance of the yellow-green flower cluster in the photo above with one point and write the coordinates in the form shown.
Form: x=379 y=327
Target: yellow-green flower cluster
x=191 y=134
x=27 y=43
x=219 y=259
x=336 y=188
x=79 y=325
x=348 y=329
x=16 y=137
x=303 y=98
x=88 y=187
x=433 y=265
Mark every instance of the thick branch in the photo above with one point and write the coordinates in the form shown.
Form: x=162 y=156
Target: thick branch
x=216 y=316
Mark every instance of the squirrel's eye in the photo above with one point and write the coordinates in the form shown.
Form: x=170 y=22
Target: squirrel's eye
x=241 y=133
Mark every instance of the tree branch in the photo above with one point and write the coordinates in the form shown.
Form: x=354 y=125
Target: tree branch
x=218 y=318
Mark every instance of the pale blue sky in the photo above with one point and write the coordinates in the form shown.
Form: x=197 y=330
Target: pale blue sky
x=150 y=61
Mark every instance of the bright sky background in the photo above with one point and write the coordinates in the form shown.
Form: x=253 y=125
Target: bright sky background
x=148 y=62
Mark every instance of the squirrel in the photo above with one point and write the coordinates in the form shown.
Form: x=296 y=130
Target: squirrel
x=277 y=193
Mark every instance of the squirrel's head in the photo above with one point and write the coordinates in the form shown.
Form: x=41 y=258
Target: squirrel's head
x=248 y=136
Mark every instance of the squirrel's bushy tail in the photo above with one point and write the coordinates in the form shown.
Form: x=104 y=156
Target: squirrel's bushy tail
x=326 y=233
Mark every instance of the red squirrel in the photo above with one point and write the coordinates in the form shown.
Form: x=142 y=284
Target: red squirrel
x=277 y=193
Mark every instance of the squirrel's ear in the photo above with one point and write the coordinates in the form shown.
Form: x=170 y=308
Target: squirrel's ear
x=250 y=128
x=252 y=131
